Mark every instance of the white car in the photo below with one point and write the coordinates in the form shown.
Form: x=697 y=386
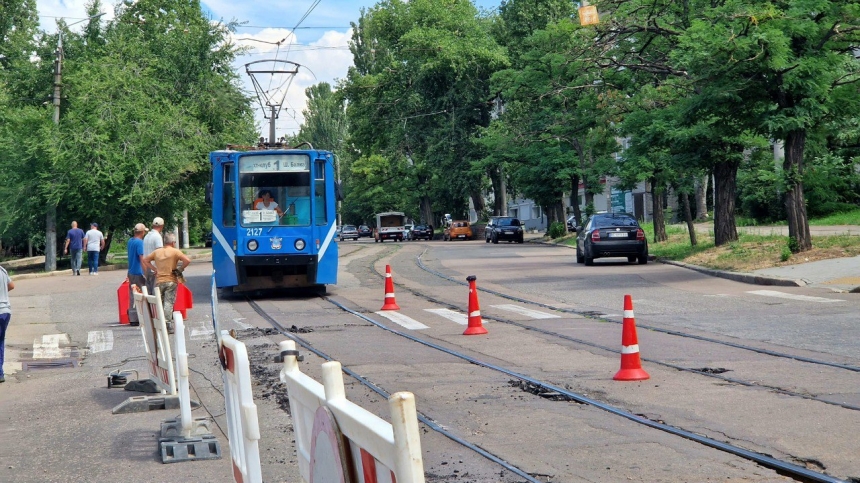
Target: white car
x=407 y=232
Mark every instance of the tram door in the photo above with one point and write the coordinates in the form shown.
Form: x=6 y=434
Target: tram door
x=324 y=210
x=224 y=220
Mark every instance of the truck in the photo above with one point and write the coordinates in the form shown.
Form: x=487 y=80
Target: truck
x=389 y=226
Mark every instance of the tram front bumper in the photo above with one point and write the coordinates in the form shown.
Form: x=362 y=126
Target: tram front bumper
x=276 y=271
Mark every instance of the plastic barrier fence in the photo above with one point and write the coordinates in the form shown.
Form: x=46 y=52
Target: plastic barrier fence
x=242 y=425
x=186 y=439
x=155 y=339
x=380 y=452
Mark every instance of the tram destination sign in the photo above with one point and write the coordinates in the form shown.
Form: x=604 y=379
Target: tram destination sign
x=274 y=163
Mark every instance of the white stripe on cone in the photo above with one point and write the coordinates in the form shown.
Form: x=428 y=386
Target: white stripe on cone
x=476 y=313
x=628 y=314
x=630 y=349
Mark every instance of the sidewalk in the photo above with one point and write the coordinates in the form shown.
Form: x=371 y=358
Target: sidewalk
x=57 y=425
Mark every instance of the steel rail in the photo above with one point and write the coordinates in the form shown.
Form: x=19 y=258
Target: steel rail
x=652 y=328
x=421 y=417
x=764 y=460
x=700 y=372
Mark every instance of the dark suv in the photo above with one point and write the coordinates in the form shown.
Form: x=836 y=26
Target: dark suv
x=503 y=228
x=421 y=232
x=365 y=231
x=611 y=235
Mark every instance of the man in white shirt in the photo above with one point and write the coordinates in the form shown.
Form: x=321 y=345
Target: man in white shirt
x=151 y=242
x=94 y=241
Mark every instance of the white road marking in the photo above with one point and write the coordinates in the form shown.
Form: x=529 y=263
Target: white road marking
x=100 y=340
x=242 y=325
x=535 y=314
x=201 y=330
x=782 y=295
x=717 y=295
x=49 y=346
x=449 y=314
x=403 y=320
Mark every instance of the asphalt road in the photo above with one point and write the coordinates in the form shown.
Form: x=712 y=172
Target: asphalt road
x=58 y=416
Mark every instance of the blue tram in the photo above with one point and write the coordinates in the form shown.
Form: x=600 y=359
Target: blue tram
x=273 y=218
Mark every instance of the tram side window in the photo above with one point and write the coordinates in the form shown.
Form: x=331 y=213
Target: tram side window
x=320 y=212
x=228 y=209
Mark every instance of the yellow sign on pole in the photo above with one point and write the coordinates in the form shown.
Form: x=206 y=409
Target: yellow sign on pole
x=588 y=15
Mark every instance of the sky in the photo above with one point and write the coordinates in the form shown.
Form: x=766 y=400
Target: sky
x=320 y=44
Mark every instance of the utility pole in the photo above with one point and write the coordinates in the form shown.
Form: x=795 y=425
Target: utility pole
x=51 y=215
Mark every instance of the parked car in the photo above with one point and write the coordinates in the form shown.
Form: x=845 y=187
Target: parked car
x=207 y=239
x=364 y=231
x=571 y=223
x=503 y=228
x=348 y=231
x=458 y=229
x=421 y=232
x=407 y=232
x=611 y=235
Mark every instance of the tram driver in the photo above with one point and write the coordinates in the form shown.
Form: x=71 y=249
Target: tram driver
x=265 y=202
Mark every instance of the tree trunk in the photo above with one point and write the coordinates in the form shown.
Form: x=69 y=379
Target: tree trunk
x=574 y=199
x=500 y=196
x=725 y=184
x=51 y=239
x=426 y=208
x=657 y=207
x=478 y=202
x=688 y=217
x=795 y=205
x=702 y=198
x=104 y=253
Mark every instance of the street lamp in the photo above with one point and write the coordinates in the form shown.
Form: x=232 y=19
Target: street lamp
x=51 y=215
x=58 y=66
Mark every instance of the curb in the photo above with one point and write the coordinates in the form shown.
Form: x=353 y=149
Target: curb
x=102 y=268
x=747 y=278
x=738 y=277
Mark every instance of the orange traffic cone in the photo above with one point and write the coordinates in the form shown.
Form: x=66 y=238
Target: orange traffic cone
x=475 y=325
x=631 y=366
x=390 y=303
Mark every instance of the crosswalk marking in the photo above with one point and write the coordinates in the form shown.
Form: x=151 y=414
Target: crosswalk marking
x=403 y=320
x=535 y=314
x=449 y=314
x=100 y=340
x=48 y=347
x=782 y=295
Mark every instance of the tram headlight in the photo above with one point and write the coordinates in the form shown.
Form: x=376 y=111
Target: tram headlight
x=253 y=245
x=300 y=244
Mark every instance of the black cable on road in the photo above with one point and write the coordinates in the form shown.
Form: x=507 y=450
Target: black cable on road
x=421 y=417
x=655 y=329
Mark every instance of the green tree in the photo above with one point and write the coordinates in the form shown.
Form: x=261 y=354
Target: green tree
x=417 y=93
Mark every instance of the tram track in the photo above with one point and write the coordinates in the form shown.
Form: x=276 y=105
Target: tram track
x=591 y=315
x=785 y=468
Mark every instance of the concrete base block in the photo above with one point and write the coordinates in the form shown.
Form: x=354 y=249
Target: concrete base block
x=205 y=447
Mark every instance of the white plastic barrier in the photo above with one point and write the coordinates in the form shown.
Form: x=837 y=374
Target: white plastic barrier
x=243 y=428
x=381 y=452
x=185 y=438
x=156 y=340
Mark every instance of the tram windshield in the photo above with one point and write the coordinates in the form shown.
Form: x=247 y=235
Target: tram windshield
x=275 y=189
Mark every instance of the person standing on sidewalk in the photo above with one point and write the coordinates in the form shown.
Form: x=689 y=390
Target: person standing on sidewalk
x=167 y=271
x=94 y=240
x=5 y=315
x=151 y=241
x=135 y=269
x=74 y=242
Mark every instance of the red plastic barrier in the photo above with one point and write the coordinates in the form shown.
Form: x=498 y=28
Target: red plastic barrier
x=122 y=300
x=184 y=300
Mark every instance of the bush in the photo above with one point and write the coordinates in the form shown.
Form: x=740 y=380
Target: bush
x=557 y=230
